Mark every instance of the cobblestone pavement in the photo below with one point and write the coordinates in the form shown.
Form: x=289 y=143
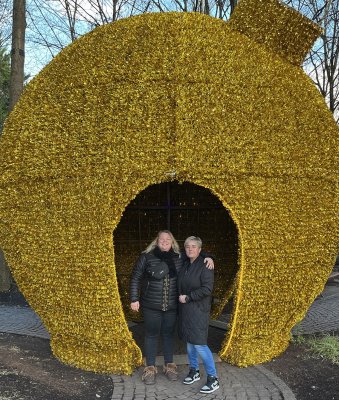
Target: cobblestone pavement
x=22 y=321
x=251 y=383
x=323 y=315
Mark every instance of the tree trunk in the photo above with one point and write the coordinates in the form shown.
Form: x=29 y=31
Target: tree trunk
x=15 y=88
x=18 y=52
x=5 y=274
x=233 y=4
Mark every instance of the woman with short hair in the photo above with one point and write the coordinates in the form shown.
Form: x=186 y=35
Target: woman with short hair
x=195 y=285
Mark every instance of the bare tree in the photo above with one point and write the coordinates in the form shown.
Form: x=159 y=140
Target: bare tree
x=17 y=52
x=324 y=56
x=321 y=63
x=5 y=17
x=5 y=276
x=217 y=8
x=15 y=88
x=55 y=24
x=71 y=17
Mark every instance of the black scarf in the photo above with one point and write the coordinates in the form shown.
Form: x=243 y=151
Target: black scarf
x=168 y=258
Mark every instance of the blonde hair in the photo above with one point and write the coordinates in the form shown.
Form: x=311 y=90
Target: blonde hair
x=194 y=239
x=154 y=243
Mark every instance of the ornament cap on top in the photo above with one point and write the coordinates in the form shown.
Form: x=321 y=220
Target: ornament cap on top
x=278 y=27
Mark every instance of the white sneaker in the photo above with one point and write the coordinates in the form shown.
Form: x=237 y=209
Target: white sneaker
x=211 y=385
x=192 y=376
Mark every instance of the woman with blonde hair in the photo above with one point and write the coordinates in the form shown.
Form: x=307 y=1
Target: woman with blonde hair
x=153 y=287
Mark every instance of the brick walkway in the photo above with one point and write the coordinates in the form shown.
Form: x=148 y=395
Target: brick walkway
x=323 y=315
x=22 y=321
x=251 y=383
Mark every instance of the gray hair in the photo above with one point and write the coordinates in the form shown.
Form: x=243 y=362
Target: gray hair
x=154 y=242
x=194 y=239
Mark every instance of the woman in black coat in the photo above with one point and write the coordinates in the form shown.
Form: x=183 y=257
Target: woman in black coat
x=195 y=285
x=153 y=286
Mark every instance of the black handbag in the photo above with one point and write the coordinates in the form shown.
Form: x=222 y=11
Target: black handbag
x=157 y=271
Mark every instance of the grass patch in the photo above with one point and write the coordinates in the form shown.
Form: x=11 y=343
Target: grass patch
x=326 y=347
x=298 y=339
x=297 y=336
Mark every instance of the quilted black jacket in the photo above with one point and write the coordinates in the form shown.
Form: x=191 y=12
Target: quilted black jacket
x=158 y=294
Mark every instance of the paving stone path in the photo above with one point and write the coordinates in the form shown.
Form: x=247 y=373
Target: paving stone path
x=323 y=316
x=251 y=383
x=22 y=321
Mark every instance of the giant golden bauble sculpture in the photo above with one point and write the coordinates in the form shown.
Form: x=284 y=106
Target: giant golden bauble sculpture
x=174 y=96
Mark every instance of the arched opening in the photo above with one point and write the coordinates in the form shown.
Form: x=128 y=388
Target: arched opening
x=185 y=209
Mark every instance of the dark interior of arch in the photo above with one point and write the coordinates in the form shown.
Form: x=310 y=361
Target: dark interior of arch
x=185 y=209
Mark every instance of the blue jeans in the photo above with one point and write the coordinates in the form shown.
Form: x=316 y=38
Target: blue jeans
x=159 y=323
x=193 y=350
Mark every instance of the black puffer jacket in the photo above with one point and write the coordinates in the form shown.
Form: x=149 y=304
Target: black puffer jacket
x=158 y=294
x=195 y=281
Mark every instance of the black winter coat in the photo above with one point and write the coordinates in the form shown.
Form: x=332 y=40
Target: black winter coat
x=195 y=281
x=157 y=294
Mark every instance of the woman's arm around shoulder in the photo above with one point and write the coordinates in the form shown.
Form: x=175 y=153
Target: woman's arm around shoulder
x=208 y=259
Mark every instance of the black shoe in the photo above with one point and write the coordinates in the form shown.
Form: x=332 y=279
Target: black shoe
x=192 y=376
x=212 y=385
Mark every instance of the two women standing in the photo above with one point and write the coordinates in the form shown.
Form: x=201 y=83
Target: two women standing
x=156 y=278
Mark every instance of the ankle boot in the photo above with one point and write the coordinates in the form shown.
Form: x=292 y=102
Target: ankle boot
x=148 y=375
x=170 y=370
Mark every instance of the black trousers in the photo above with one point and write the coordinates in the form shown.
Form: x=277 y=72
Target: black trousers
x=158 y=323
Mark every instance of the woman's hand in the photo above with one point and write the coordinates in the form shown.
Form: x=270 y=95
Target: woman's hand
x=209 y=262
x=182 y=298
x=135 y=306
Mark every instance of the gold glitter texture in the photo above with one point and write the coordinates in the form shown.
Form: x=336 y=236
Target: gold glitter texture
x=159 y=97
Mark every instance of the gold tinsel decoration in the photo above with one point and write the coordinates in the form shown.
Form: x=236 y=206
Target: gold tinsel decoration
x=170 y=96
